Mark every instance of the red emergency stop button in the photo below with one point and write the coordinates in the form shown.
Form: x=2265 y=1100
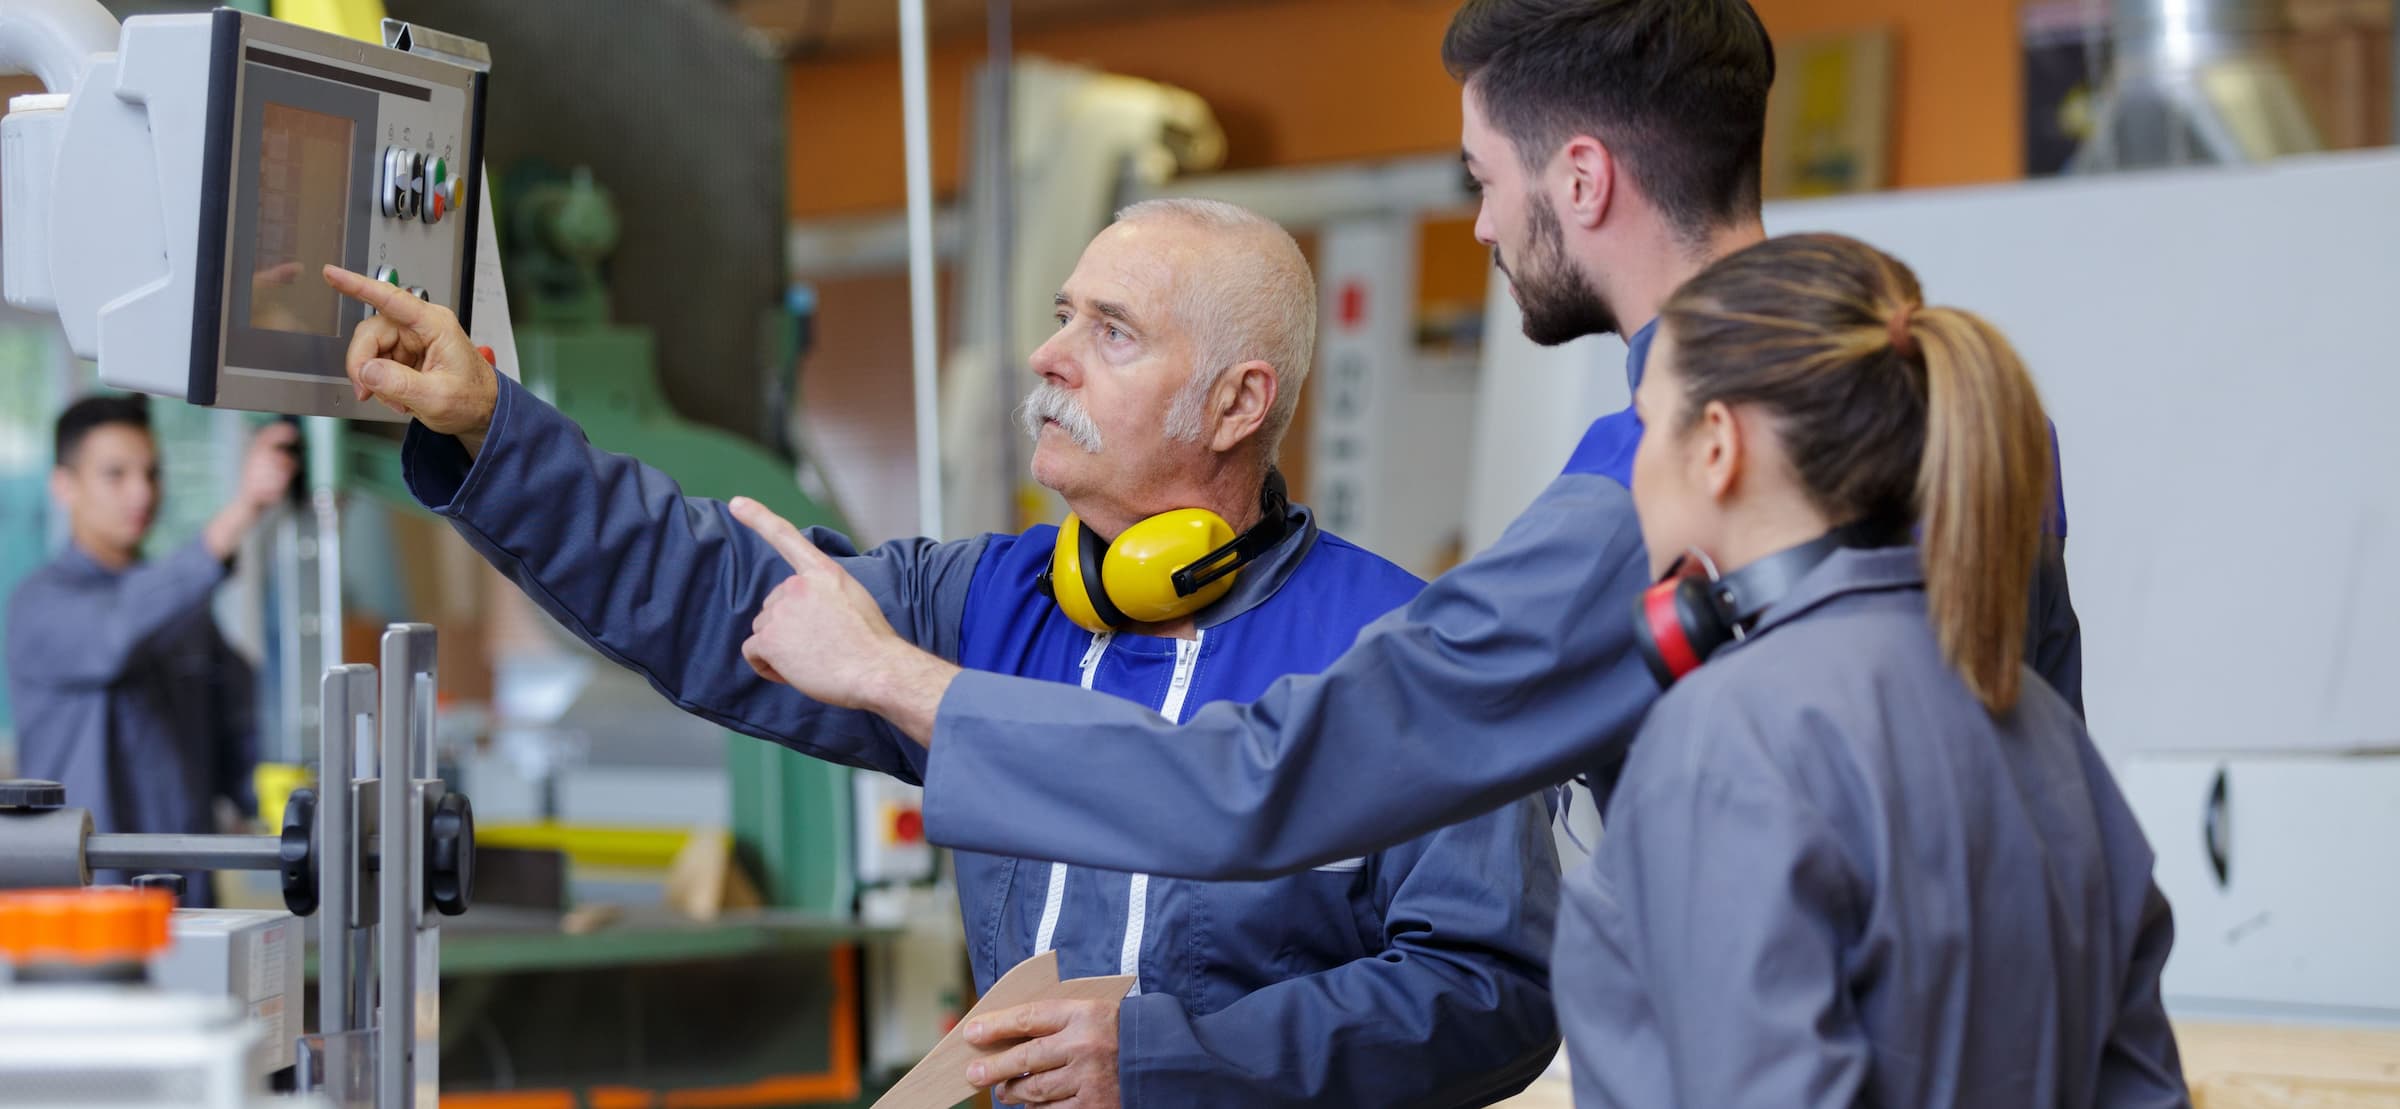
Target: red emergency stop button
x=908 y=826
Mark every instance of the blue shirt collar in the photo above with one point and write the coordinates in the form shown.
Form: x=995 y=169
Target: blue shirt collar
x=1259 y=580
x=1637 y=354
x=75 y=560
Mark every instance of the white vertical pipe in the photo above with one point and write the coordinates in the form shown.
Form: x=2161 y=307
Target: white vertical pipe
x=1001 y=68
x=325 y=467
x=923 y=356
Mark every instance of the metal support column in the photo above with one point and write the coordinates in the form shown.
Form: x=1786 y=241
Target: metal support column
x=924 y=356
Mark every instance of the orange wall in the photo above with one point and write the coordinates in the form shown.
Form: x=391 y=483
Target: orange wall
x=1292 y=83
x=1309 y=81
x=1957 y=116
x=1302 y=81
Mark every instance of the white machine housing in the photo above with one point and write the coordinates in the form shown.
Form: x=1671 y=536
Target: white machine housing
x=250 y=955
x=130 y=1047
x=174 y=209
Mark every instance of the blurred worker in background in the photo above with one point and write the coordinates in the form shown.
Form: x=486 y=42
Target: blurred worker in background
x=123 y=688
x=1409 y=976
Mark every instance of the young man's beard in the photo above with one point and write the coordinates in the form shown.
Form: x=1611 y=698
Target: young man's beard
x=1557 y=303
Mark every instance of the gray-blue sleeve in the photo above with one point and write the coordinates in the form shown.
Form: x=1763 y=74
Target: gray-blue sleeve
x=2141 y=1067
x=2053 y=634
x=1735 y=893
x=234 y=757
x=667 y=585
x=1454 y=1009
x=87 y=638
x=1513 y=671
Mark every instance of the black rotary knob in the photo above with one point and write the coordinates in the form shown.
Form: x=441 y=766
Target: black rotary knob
x=450 y=855
x=296 y=855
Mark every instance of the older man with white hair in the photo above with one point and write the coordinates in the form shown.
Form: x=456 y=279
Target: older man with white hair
x=1416 y=976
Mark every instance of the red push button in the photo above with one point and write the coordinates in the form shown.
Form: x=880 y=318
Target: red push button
x=908 y=826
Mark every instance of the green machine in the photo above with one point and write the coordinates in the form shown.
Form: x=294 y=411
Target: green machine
x=791 y=815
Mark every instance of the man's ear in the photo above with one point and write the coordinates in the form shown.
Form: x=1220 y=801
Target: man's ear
x=1241 y=400
x=1586 y=176
x=62 y=486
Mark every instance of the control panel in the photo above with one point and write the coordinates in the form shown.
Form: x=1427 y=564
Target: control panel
x=200 y=179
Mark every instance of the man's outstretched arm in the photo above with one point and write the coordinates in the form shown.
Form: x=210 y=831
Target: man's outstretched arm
x=1513 y=671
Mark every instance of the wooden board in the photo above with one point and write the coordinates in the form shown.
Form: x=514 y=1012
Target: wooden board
x=2289 y=1066
x=940 y=1079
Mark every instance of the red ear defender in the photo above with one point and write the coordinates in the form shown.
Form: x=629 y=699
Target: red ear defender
x=1693 y=610
x=1677 y=622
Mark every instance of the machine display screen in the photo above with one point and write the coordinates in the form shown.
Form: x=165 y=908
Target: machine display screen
x=304 y=200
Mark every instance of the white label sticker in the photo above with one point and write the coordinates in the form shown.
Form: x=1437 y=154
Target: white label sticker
x=266 y=968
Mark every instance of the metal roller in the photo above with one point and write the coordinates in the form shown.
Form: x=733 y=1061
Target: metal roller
x=183 y=852
x=41 y=841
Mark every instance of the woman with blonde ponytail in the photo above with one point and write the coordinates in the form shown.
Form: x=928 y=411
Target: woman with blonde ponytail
x=1857 y=856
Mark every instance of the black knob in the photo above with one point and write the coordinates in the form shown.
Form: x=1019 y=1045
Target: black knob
x=32 y=793
x=168 y=881
x=2215 y=834
x=450 y=855
x=297 y=853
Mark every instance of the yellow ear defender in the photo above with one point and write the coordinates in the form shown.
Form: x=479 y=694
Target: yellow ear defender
x=1162 y=568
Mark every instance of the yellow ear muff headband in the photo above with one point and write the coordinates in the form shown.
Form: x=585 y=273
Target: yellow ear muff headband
x=1163 y=568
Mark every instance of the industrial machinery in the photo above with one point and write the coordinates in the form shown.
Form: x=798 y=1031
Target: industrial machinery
x=86 y=1024
x=790 y=814
x=377 y=854
x=174 y=196
x=171 y=198
x=2195 y=82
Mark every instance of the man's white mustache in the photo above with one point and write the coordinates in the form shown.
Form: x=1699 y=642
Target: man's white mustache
x=1048 y=403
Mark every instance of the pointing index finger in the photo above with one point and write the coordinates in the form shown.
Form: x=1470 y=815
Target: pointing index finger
x=779 y=534
x=388 y=299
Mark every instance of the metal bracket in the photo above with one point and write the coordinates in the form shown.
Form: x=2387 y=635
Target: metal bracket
x=345 y=952
x=413 y=38
x=406 y=1064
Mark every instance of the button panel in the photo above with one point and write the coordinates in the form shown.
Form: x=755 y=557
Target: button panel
x=418 y=186
x=413 y=243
